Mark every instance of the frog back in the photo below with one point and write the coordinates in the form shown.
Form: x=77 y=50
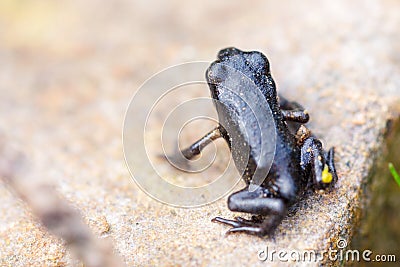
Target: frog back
x=243 y=91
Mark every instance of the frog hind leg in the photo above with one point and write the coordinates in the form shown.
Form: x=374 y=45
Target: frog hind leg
x=256 y=202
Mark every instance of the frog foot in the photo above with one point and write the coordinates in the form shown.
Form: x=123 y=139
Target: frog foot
x=254 y=226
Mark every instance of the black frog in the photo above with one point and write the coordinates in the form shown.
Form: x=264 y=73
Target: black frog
x=299 y=161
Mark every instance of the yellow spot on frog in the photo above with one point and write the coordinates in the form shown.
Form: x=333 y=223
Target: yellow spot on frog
x=326 y=175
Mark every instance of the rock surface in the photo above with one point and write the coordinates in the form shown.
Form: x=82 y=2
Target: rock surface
x=69 y=69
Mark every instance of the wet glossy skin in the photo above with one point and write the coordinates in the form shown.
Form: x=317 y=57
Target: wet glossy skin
x=299 y=162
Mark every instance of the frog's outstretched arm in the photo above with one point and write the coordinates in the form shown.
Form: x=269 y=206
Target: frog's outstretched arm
x=195 y=149
x=296 y=115
x=293 y=111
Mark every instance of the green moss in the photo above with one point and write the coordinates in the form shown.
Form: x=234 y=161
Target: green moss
x=395 y=175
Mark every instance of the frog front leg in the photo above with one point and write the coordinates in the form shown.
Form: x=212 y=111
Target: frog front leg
x=259 y=202
x=196 y=148
x=300 y=116
x=193 y=150
x=318 y=164
x=293 y=111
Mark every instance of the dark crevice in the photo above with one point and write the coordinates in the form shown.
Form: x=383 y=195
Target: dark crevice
x=379 y=227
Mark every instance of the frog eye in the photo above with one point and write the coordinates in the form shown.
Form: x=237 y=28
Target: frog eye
x=326 y=175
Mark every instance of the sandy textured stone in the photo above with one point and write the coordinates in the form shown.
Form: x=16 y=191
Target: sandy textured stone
x=68 y=70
